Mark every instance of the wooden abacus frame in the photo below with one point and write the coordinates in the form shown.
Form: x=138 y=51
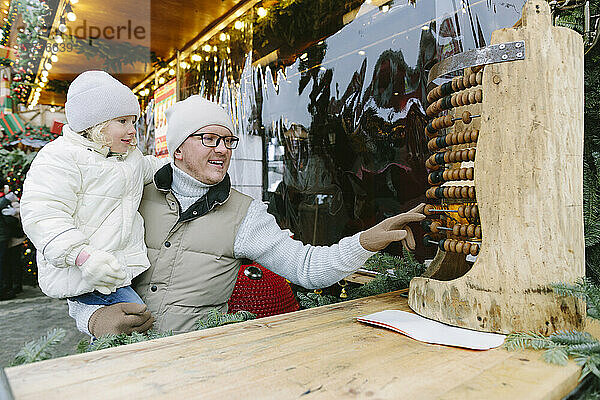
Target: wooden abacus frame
x=528 y=176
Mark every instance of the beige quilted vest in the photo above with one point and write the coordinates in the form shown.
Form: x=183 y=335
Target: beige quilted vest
x=193 y=268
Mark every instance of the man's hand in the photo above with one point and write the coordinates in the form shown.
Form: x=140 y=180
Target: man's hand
x=120 y=318
x=391 y=230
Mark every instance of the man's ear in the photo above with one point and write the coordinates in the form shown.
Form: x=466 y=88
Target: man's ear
x=178 y=154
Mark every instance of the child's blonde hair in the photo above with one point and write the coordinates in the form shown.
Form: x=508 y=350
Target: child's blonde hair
x=96 y=135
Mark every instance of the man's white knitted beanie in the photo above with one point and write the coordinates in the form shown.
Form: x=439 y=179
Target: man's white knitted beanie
x=94 y=97
x=187 y=116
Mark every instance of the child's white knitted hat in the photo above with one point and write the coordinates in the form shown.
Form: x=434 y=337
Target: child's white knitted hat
x=94 y=97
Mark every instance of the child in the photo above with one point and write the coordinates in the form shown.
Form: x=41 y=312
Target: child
x=81 y=195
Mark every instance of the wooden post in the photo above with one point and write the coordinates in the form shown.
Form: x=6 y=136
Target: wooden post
x=529 y=183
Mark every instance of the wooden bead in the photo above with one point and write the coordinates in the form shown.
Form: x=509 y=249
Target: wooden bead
x=448 y=121
x=479 y=95
x=470 y=173
x=462 y=174
x=471 y=154
x=461 y=137
x=456 y=229
x=479 y=77
x=428 y=164
x=471 y=192
x=466 y=248
x=474 y=135
x=460 y=83
x=465 y=154
x=472 y=97
x=478 y=231
x=454 y=84
x=431 y=144
x=470 y=230
x=445 y=192
x=474 y=249
x=459 y=247
x=430 y=193
x=467 y=212
x=453 y=100
x=463 y=230
x=475 y=212
x=427 y=209
x=455 y=138
x=465 y=98
x=461 y=211
x=452 y=245
x=456 y=174
x=467 y=81
x=473 y=79
x=445 y=175
x=466 y=117
x=447 y=156
x=434 y=226
x=451 y=192
x=447 y=245
x=464 y=192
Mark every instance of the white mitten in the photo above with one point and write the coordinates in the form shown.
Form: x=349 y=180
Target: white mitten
x=101 y=270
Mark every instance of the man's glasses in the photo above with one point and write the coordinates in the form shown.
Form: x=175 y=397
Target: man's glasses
x=213 y=140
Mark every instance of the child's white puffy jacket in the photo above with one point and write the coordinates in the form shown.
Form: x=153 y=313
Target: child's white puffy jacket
x=74 y=195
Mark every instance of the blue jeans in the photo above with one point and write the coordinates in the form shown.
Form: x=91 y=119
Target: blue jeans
x=123 y=295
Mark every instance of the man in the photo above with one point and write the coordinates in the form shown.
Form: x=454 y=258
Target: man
x=198 y=230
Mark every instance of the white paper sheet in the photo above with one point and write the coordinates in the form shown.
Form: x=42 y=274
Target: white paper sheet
x=429 y=331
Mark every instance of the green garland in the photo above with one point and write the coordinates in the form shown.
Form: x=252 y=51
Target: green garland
x=30 y=45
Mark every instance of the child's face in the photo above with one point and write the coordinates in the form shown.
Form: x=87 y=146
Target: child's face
x=120 y=133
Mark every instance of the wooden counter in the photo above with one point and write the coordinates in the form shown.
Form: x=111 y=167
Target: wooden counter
x=321 y=353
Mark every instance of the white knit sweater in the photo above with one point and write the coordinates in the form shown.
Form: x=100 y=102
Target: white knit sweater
x=260 y=239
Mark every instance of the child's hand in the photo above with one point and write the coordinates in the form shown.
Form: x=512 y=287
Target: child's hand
x=102 y=271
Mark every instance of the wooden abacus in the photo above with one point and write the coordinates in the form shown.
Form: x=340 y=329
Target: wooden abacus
x=507 y=182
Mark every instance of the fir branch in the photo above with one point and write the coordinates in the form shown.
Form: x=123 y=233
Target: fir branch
x=311 y=299
x=108 y=341
x=41 y=349
x=524 y=340
x=572 y=338
x=556 y=355
x=215 y=318
x=583 y=289
x=395 y=274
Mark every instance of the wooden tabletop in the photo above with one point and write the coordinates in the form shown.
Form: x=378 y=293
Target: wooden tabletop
x=320 y=353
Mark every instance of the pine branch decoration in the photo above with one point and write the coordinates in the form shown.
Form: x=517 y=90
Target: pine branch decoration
x=108 y=341
x=583 y=347
x=215 y=318
x=41 y=349
x=583 y=289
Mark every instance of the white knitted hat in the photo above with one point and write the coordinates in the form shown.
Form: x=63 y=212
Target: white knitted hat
x=187 y=116
x=94 y=97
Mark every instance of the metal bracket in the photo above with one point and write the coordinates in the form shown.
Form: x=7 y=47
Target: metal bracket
x=495 y=53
